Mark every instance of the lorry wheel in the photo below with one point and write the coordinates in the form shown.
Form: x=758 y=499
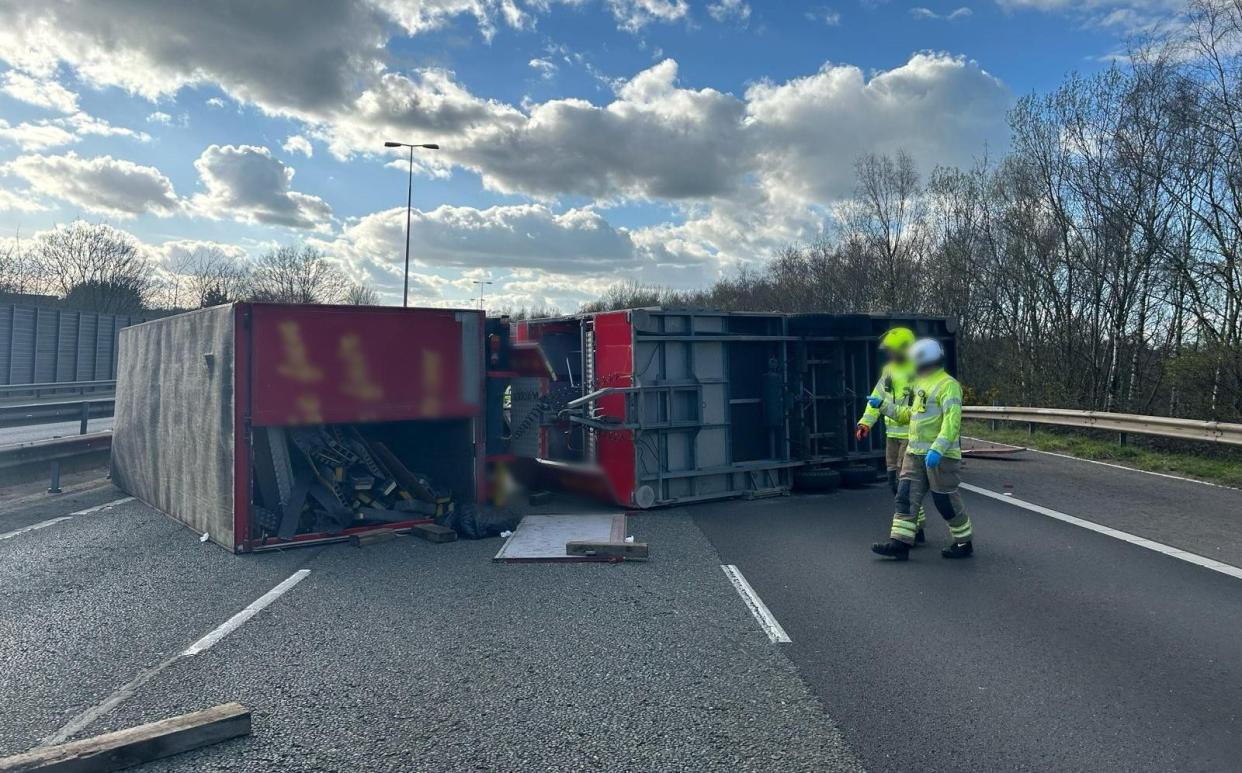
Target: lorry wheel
x=820 y=481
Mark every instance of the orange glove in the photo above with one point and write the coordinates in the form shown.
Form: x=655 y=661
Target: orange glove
x=861 y=432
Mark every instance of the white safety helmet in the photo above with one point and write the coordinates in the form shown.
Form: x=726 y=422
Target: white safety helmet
x=926 y=352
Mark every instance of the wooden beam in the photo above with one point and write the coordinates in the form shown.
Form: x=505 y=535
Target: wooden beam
x=136 y=745
x=371 y=537
x=630 y=551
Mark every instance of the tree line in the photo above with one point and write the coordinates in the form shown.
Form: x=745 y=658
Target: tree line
x=1095 y=265
x=95 y=267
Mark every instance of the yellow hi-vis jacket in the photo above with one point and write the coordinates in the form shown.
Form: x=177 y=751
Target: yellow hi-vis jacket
x=935 y=418
x=895 y=384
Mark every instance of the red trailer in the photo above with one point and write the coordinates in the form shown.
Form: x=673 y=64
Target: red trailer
x=236 y=420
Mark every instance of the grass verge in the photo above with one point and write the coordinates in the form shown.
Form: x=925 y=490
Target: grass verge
x=1208 y=463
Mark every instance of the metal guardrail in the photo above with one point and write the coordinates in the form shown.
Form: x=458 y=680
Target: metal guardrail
x=1123 y=423
x=34 y=390
x=56 y=412
x=33 y=460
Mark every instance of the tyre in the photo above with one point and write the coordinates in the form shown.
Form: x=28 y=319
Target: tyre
x=820 y=481
x=857 y=476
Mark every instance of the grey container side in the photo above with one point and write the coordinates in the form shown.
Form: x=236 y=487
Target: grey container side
x=173 y=433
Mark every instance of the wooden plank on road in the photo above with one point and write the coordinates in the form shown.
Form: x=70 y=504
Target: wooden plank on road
x=136 y=745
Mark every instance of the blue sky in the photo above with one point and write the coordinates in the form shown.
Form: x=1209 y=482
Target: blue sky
x=584 y=141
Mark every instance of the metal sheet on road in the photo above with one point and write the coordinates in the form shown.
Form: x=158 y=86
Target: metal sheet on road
x=1055 y=648
x=1206 y=520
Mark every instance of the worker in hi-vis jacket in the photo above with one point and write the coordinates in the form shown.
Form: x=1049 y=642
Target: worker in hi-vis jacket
x=933 y=458
x=896 y=382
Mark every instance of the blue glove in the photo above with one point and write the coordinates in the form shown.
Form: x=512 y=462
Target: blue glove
x=875 y=402
x=933 y=459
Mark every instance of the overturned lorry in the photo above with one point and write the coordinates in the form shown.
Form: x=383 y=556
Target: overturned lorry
x=264 y=425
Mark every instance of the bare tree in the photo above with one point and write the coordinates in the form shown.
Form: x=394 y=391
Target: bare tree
x=96 y=267
x=215 y=277
x=361 y=295
x=21 y=272
x=298 y=275
x=887 y=218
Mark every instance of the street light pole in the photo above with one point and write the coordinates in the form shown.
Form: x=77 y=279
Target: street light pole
x=481 y=283
x=409 y=208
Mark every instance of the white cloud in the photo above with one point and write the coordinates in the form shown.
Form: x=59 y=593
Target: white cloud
x=175 y=251
x=825 y=16
x=246 y=183
x=20 y=201
x=654 y=140
x=536 y=255
x=215 y=102
x=104 y=185
x=54 y=132
x=160 y=118
x=517 y=236
x=633 y=15
x=305 y=60
x=941 y=109
x=39 y=92
x=954 y=15
x=724 y=10
x=660 y=140
x=85 y=125
x=35 y=136
x=296 y=143
x=1125 y=16
x=545 y=67
x=285 y=53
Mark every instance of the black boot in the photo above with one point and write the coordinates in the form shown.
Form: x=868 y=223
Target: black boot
x=895 y=549
x=920 y=537
x=959 y=550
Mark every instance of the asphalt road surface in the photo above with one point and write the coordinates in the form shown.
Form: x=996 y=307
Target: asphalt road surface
x=1055 y=648
x=401 y=656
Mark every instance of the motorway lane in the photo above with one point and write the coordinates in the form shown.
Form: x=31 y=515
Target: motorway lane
x=1194 y=516
x=405 y=655
x=90 y=602
x=29 y=503
x=1055 y=648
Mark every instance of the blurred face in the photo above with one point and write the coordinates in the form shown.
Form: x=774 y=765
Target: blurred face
x=895 y=356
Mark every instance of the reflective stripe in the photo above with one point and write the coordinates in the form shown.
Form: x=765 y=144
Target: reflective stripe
x=941 y=444
x=951 y=401
x=961 y=531
x=919 y=445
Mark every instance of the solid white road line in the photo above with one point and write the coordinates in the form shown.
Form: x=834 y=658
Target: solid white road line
x=33 y=527
x=54 y=521
x=756 y=606
x=104 y=506
x=1143 y=542
x=235 y=622
x=83 y=720
x=1109 y=464
x=126 y=691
